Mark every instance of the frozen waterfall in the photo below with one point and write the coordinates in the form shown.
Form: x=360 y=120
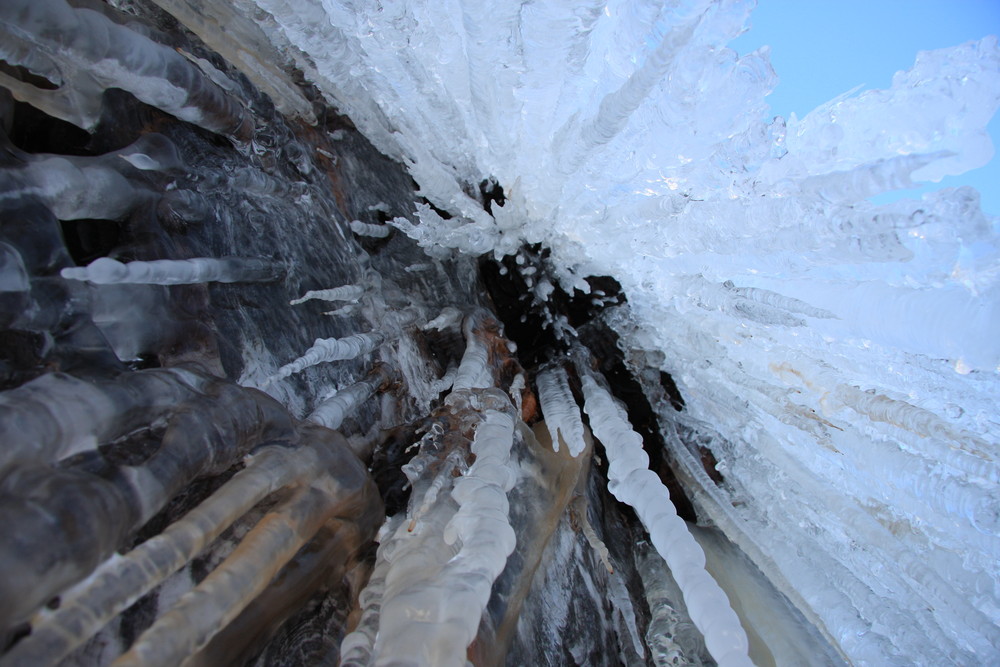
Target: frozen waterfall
x=841 y=355
x=529 y=208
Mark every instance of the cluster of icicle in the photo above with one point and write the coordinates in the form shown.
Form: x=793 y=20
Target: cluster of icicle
x=437 y=564
x=440 y=566
x=825 y=343
x=209 y=424
x=84 y=53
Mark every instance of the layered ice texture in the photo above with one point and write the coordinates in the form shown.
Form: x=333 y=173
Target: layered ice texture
x=838 y=357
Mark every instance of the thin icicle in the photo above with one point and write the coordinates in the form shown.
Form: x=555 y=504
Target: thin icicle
x=562 y=416
x=631 y=482
x=330 y=349
x=343 y=293
x=107 y=271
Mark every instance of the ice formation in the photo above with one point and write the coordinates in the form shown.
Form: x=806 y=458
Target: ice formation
x=343 y=293
x=331 y=349
x=812 y=374
x=632 y=482
x=561 y=413
x=107 y=271
x=366 y=229
x=856 y=338
x=45 y=38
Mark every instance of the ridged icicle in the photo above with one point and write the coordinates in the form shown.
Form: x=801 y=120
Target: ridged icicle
x=107 y=271
x=366 y=229
x=631 y=481
x=449 y=584
x=331 y=349
x=332 y=411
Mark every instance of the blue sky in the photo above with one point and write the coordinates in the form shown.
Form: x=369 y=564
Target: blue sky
x=822 y=48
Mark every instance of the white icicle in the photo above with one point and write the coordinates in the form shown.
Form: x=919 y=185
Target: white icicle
x=107 y=271
x=374 y=231
x=473 y=371
x=330 y=349
x=562 y=416
x=343 y=293
x=450 y=595
x=332 y=411
x=632 y=482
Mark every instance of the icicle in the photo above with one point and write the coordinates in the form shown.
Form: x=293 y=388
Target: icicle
x=50 y=37
x=106 y=271
x=356 y=648
x=57 y=415
x=579 y=507
x=120 y=581
x=448 y=318
x=75 y=187
x=332 y=411
x=244 y=46
x=201 y=613
x=374 y=231
x=474 y=371
x=331 y=349
x=562 y=416
x=671 y=638
x=452 y=595
x=343 y=293
x=343 y=311
x=631 y=481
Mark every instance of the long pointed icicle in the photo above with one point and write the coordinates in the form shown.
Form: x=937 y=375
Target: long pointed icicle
x=562 y=416
x=107 y=271
x=343 y=293
x=631 y=481
x=331 y=349
x=119 y=582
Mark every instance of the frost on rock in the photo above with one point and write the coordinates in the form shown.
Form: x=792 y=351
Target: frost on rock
x=107 y=271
